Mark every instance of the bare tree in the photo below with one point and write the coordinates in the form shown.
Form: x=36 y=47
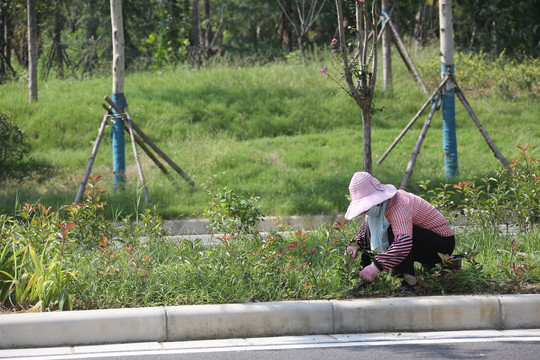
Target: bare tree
x=202 y=40
x=360 y=80
x=32 y=51
x=301 y=14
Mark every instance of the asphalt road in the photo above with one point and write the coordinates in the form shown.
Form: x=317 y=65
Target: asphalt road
x=490 y=344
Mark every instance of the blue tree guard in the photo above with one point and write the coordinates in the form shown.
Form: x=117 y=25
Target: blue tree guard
x=118 y=145
x=449 y=127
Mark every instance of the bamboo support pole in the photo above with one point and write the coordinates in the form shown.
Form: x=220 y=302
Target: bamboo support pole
x=419 y=142
x=405 y=56
x=483 y=131
x=88 y=170
x=418 y=114
x=155 y=148
x=136 y=156
x=143 y=146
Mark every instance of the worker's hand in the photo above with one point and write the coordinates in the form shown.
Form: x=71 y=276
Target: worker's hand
x=369 y=272
x=351 y=251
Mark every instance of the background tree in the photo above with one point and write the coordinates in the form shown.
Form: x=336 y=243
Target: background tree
x=494 y=26
x=6 y=33
x=301 y=14
x=32 y=51
x=159 y=32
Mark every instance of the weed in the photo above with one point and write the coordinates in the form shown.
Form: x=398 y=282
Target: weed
x=232 y=214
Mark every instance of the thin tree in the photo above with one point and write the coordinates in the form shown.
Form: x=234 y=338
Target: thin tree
x=195 y=40
x=356 y=69
x=118 y=69
x=301 y=15
x=32 y=51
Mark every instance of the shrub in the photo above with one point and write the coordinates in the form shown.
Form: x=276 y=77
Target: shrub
x=14 y=149
x=233 y=214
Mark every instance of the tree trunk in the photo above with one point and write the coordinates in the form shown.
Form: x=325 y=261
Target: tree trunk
x=92 y=23
x=366 y=138
x=32 y=51
x=58 y=26
x=386 y=45
x=117 y=131
x=195 y=33
x=208 y=31
x=300 y=40
x=448 y=100
x=3 y=65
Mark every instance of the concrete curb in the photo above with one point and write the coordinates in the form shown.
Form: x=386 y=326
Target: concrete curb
x=198 y=322
x=201 y=226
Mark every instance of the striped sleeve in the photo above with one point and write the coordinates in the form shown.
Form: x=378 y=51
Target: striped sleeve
x=395 y=254
x=360 y=238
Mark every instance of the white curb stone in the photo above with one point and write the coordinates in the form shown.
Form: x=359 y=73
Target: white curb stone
x=270 y=319
x=249 y=320
x=417 y=314
x=520 y=311
x=83 y=327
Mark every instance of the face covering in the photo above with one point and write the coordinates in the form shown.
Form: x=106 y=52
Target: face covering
x=378 y=226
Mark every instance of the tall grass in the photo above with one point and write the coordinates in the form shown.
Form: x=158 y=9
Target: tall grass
x=281 y=131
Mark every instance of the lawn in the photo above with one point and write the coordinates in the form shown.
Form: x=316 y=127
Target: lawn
x=281 y=131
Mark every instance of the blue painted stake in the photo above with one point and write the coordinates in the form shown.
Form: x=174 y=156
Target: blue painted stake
x=118 y=145
x=449 y=128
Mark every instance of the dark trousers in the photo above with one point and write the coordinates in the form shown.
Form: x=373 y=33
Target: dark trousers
x=425 y=249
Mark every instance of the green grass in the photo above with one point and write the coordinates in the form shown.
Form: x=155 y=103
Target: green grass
x=281 y=131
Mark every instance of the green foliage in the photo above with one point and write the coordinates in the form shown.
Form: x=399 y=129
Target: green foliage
x=505 y=199
x=15 y=147
x=501 y=215
x=88 y=217
x=482 y=74
x=469 y=278
x=233 y=214
x=32 y=272
x=44 y=261
x=497 y=25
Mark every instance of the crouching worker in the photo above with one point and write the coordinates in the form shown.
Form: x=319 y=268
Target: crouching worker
x=400 y=226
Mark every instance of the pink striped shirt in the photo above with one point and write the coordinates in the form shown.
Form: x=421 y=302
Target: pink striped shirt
x=403 y=211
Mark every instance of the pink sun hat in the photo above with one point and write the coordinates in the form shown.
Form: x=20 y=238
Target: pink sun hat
x=366 y=192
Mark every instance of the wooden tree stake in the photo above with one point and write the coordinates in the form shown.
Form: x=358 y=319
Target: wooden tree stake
x=154 y=147
x=88 y=170
x=418 y=114
x=405 y=56
x=483 y=131
x=416 y=151
x=136 y=155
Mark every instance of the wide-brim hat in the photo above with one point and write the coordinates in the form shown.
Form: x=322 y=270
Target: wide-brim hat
x=366 y=192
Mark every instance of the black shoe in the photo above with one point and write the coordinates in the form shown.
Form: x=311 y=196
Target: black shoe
x=406 y=289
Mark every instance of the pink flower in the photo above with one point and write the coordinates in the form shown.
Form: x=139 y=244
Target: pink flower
x=334 y=41
x=324 y=69
x=334 y=51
